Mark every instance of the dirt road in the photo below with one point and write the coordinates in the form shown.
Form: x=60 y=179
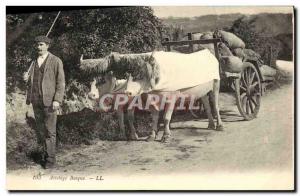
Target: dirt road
x=263 y=144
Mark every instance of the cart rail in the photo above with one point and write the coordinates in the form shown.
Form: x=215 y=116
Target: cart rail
x=187 y=42
x=191 y=42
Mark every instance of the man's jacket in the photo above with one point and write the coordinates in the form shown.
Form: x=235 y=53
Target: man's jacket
x=53 y=83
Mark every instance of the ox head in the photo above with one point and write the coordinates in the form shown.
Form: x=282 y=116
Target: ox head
x=102 y=85
x=137 y=87
x=99 y=85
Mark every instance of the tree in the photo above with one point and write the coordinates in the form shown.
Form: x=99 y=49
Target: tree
x=93 y=33
x=20 y=26
x=264 y=44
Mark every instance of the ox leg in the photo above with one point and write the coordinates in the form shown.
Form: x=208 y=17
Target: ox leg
x=216 y=91
x=155 y=117
x=120 y=113
x=211 y=99
x=205 y=101
x=167 y=120
x=133 y=135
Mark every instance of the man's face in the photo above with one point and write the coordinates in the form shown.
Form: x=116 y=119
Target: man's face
x=42 y=47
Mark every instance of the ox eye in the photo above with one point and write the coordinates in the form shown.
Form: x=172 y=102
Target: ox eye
x=98 y=84
x=102 y=81
x=98 y=80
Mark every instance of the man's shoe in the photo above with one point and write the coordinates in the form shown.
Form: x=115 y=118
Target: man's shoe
x=49 y=165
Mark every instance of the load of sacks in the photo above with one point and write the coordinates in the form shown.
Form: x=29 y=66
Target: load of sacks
x=231 y=50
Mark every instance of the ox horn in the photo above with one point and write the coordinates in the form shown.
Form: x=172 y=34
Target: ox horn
x=81 y=58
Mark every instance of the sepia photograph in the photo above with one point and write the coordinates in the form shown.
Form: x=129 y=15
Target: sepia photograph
x=150 y=98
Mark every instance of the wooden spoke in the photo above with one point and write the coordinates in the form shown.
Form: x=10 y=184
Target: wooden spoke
x=252 y=77
x=247 y=106
x=244 y=99
x=243 y=96
x=253 y=101
x=243 y=88
x=248 y=76
x=243 y=81
x=245 y=77
x=251 y=106
x=254 y=84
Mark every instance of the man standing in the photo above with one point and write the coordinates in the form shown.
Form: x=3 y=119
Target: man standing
x=46 y=86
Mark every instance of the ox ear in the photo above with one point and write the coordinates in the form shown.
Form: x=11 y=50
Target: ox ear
x=152 y=83
x=108 y=76
x=110 y=73
x=112 y=56
x=128 y=76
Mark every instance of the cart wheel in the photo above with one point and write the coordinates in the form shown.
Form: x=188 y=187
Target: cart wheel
x=248 y=92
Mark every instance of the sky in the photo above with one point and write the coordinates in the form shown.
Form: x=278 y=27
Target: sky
x=191 y=11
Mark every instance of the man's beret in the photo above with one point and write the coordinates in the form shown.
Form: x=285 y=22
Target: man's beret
x=42 y=38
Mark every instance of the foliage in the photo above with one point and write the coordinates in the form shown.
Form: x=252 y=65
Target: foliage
x=74 y=128
x=261 y=43
x=93 y=33
x=286 y=52
x=173 y=32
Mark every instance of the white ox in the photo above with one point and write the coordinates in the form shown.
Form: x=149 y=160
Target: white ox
x=113 y=86
x=195 y=74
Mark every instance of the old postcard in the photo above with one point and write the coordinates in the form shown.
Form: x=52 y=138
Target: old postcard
x=150 y=98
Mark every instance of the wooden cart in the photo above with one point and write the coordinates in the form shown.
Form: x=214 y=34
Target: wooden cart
x=247 y=85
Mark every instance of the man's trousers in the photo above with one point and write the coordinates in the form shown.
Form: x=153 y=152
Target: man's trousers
x=46 y=118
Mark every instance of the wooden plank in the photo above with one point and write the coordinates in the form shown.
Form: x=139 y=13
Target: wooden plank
x=168 y=46
x=188 y=42
x=216 y=50
x=190 y=45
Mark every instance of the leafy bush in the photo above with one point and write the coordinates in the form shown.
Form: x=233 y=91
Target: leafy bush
x=264 y=44
x=92 y=32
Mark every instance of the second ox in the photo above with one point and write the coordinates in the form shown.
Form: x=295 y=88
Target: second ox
x=193 y=76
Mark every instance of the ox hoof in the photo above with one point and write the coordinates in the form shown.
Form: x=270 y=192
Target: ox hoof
x=220 y=128
x=150 y=138
x=211 y=126
x=122 y=137
x=165 y=138
x=156 y=136
x=134 y=136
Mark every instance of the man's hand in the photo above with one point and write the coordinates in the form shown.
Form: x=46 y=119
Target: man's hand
x=55 y=105
x=26 y=76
